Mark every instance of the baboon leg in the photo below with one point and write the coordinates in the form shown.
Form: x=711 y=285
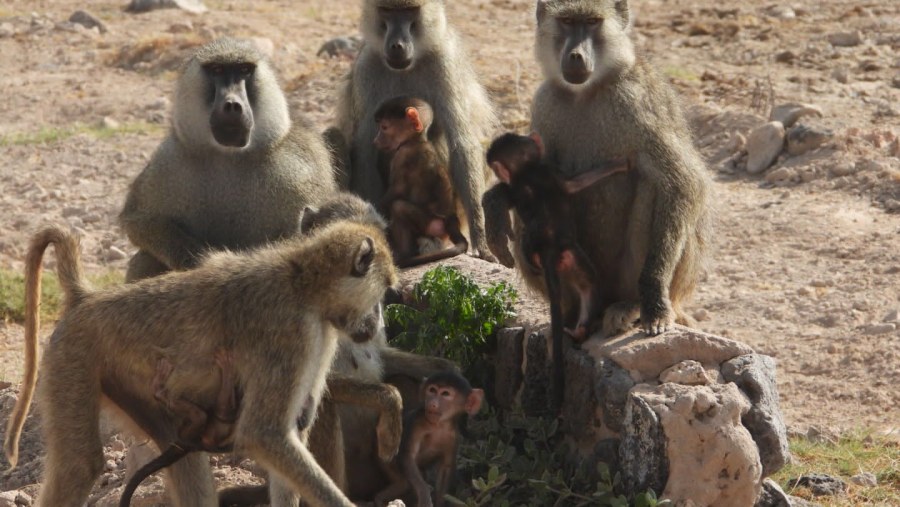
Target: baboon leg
x=190 y=481
x=384 y=398
x=326 y=441
x=72 y=435
x=143 y=265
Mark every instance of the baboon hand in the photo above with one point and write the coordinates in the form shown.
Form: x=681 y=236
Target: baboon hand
x=657 y=318
x=389 y=429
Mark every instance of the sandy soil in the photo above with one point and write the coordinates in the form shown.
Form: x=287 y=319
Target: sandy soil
x=806 y=264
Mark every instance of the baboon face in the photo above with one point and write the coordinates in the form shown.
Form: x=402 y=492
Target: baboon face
x=229 y=94
x=581 y=43
x=399 y=28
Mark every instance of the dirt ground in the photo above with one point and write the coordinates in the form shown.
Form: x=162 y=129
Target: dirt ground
x=806 y=262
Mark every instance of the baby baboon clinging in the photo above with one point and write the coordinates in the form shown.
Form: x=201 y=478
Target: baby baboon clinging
x=644 y=230
x=410 y=50
x=431 y=438
x=233 y=172
x=420 y=200
x=276 y=309
x=549 y=242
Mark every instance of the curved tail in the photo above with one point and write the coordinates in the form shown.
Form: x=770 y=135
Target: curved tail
x=71 y=280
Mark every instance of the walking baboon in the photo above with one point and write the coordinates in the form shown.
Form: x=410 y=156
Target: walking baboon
x=233 y=172
x=276 y=309
x=420 y=201
x=644 y=230
x=359 y=418
x=410 y=50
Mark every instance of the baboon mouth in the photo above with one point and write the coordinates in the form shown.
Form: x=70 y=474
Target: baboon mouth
x=398 y=64
x=233 y=137
x=576 y=77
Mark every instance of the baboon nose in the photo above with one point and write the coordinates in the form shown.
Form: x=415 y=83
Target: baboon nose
x=577 y=57
x=233 y=107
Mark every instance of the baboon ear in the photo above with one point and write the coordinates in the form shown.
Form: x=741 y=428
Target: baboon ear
x=624 y=13
x=306 y=218
x=364 y=258
x=541 y=10
x=473 y=401
x=501 y=171
x=412 y=114
x=538 y=141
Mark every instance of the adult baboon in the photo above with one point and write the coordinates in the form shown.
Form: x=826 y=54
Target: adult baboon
x=410 y=50
x=276 y=309
x=233 y=172
x=644 y=230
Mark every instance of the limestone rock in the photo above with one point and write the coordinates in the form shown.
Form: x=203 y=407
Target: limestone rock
x=772 y=495
x=8 y=499
x=645 y=357
x=789 y=113
x=763 y=146
x=801 y=139
x=612 y=386
x=689 y=373
x=510 y=353
x=711 y=458
x=754 y=374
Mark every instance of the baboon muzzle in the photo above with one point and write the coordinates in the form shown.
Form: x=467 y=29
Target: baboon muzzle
x=231 y=121
x=578 y=59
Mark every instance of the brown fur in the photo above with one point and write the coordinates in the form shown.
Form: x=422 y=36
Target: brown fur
x=276 y=309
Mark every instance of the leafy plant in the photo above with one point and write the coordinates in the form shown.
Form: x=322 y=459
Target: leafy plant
x=452 y=316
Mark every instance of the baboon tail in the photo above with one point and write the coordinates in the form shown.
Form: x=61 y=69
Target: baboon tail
x=70 y=278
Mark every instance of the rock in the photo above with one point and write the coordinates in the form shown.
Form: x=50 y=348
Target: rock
x=23 y=499
x=6 y=30
x=763 y=146
x=789 y=113
x=892 y=316
x=109 y=123
x=780 y=11
x=510 y=353
x=701 y=315
x=192 y=6
x=781 y=174
x=842 y=168
x=845 y=39
x=882 y=328
x=866 y=479
x=579 y=404
x=820 y=484
x=88 y=20
x=772 y=495
x=711 y=458
x=689 y=373
x=841 y=75
x=796 y=501
x=645 y=357
x=642 y=452
x=181 y=27
x=785 y=56
x=895 y=81
x=754 y=374
x=8 y=499
x=801 y=139
x=612 y=386
x=536 y=391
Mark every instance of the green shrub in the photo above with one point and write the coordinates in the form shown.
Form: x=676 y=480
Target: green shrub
x=452 y=316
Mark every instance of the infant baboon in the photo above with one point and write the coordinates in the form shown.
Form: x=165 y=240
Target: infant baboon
x=277 y=310
x=420 y=200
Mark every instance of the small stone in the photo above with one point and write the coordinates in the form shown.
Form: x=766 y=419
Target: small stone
x=119 y=446
x=90 y=218
x=892 y=316
x=6 y=30
x=801 y=139
x=701 y=315
x=829 y=321
x=884 y=327
x=8 y=499
x=111 y=465
x=841 y=75
x=780 y=11
x=88 y=20
x=789 y=113
x=115 y=254
x=820 y=484
x=804 y=291
x=763 y=146
x=785 y=57
x=109 y=123
x=845 y=39
x=120 y=157
x=23 y=499
x=843 y=168
x=181 y=27
x=866 y=479
x=780 y=175
x=895 y=81
x=698 y=29
x=160 y=104
x=690 y=373
x=72 y=211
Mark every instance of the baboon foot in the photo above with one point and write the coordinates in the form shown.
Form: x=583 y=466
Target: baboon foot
x=620 y=317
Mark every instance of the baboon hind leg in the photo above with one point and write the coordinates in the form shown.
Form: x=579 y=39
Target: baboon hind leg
x=190 y=482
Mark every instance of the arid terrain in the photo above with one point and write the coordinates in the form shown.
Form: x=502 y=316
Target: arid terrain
x=806 y=262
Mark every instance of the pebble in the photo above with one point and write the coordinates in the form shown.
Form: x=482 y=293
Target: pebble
x=895 y=81
x=789 y=113
x=90 y=218
x=6 y=30
x=701 y=315
x=88 y=20
x=845 y=39
x=892 y=316
x=843 y=169
x=884 y=327
x=801 y=139
x=781 y=12
x=763 y=146
x=72 y=211
x=820 y=484
x=118 y=446
x=841 y=75
x=867 y=479
x=109 y=123
x=111 y=465
x=829 y=321
x=785 y=57
x=780 y=174
x=181 y=27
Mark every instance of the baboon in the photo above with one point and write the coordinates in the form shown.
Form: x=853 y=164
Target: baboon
x=277 y=309
x=644 y=230
x=431 y=438
x=233 y=172
x=420 y=200
x=549 y=242
x=360 y=417
x=410 y=50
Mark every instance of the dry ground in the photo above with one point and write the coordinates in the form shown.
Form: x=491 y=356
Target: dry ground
x=806 y=265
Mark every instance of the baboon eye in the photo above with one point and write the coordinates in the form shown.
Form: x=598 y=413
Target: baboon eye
x=216 y=70
x=565 y=21
x=594 y=21
x=245 y=70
